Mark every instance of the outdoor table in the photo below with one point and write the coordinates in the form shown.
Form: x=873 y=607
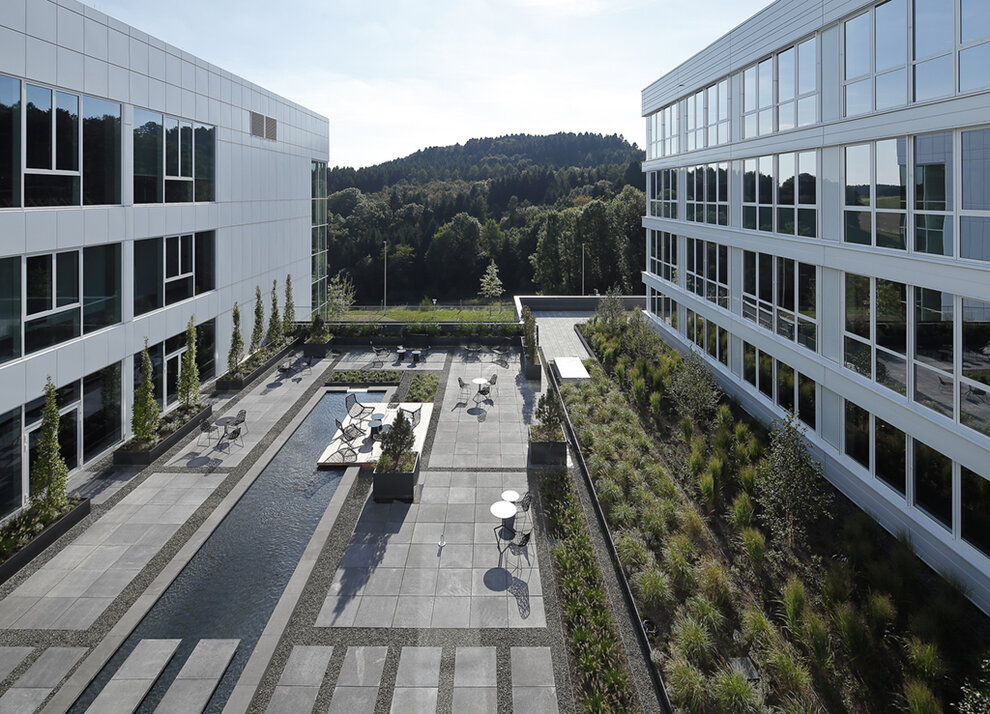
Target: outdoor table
x=400 y=352
x=506 y=511
x=416 y=354
x=376 y=427
x=481 y=383
x=510 y=496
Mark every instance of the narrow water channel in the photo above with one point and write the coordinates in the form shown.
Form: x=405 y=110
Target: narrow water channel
x=229 y=589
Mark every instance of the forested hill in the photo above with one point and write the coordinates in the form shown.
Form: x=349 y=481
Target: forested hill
x=529 y=203
x=491 y=158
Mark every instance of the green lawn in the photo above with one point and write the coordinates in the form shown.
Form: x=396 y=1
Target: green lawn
x=428 y=314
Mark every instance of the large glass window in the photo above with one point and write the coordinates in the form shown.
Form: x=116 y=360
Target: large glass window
x=976 y=509
x=707 y=194
x=664 y=131
x=890 y=454
x=663 y=193
x=876 y=178
x=876 y=59
x=974 y=225
x=857 y=441
x=101 y=410
x=166 y=152
x=52 y=156
x=149 y=290
x=173 y=269
x=933 y=44
x=663 y=255
x=10 y=462
x=101 y=286
x=780 y=193
x=974 y=401
x=52 y=291
x=780 y=294
x=10 y=309
x=101 y=152
x=148 y=156
x=206 y=345
x=933 y=483
x=875 y=340
x=933 y=193
x=206 y=162
x=10 y=142
x=707 y=271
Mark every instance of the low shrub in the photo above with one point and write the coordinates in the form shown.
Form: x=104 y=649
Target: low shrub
x=623 y=515
x=816 y=639
x=706 y=612
x=369 y=376
x=692 y=640
x=742 y=511
x=786 y=668
x=794 y=600
x=633 y=553
x=713 y=581
x=838 y=583
x=609 y=493
x=924 y=659
x=686 y=684
x=747 y=479
x=757 y=631
x=653 y=589
x=754 y=545
x=690 y=522
x=919 y=699
x=423 y=387
x=852 y=631
x=706 y=486
x=880 y=614
x=732 y=693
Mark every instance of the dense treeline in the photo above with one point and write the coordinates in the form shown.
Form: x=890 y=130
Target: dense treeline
x=448 y=212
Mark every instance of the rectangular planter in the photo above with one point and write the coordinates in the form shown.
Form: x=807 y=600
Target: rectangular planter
x=360 y=385
x=532 y=371
x=316 y=349
x=395 y=485
x=548 y=453
x=143 y=457
x=53 y=532
x=233 y=384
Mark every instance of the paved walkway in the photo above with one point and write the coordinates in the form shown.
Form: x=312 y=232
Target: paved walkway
x=557 y=337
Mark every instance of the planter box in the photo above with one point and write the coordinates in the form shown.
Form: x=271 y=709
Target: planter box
x=395 y=485
x=532 y=370
x=53 y=532
x=233 y=384
x=548 y=453
x=360 y=385
x=316 y=349
x=143 y=457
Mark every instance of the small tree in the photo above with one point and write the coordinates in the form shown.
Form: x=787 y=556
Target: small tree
x=236 y=342
x=610 y=313
x=189 y=371
x=340 y=296
x=49 y=472
x=146 y=412
x=550 y=414
x=491 y=285
x=258 y=333
x=289 y=313
x=529 y=334
x=396 y=443
x=274 y=321
x=317 y=329
x=789 y=485
x=694 y=390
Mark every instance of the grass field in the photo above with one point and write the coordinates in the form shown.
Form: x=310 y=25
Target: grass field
x=405 y=313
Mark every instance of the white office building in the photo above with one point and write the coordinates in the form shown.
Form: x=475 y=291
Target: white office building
x=139 y=186
x=818 y=227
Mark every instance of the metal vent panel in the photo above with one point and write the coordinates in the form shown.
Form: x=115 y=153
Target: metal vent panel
x=271 y=128
x=257 y=124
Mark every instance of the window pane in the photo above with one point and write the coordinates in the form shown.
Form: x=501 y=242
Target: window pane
x=10 y=146
x=766 y=374
x=765 y=70
x=976 y=509
x=807 y=178
x=857 y=228
x=892 y=315
x=749 y=89
x=857 y=356
x=147 y=157
x=50 y=330
x=785 y=386
x=50 y=190
x=101 y=152
x=171 y=257
x=858 y=175
x=976 y=340
x=766 y=277
x=10 y=461
x=39 y=127
x=185 y=149
x=976 y=169
x=206 y=345
x=177 y=191
x=749 y=363
x=933 y=234
x=101 y=286
x=891 y=35
x=807 y=71
x=933 y=78
x=892 y=89
x=807 y=111
x=749 y=181
x=891 y=229
x=101 y=410
x=171 y=146
x=933 y=482
x=785 y=179
x=933 y=172
x=974 y=237
x=10 y=316
x=66 y=131
x=39 y=283
x=186 y=251
x=179 y=289
x=205 y=261
x=932 y=28
x=749 y=272
x=785 y=283
x=891 y=458
x=975 y=20
x=933 y=328
x=807 y=289
x=932 y=389
x=806 y=400
x=785 y=75
x=858 y=46
x=972 y=67
x=974 y=407
x=891 y=371
x=858 y=433
x=147 y=275
x=858 y=305
x=67 y=278
x=891 y=173
x=205 y=162
x=859 y=99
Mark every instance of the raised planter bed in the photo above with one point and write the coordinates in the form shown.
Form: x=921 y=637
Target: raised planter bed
x=317 y=349
x=532 y=371
x=233 y=384
x=548 y=453
x=360 y=385
x=53 y=532
x=422 y=340
x=395 y=485
x=143 y=457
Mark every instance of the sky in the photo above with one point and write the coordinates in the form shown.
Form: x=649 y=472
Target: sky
x=396 y=76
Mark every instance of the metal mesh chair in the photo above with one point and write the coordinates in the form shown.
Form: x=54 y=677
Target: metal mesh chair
x=355 y=409
x=350 y=432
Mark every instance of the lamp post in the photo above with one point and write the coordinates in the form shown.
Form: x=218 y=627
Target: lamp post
x=385 y=280
x=582 y=268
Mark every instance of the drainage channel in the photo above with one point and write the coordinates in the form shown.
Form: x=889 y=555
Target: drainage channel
x=229 y=589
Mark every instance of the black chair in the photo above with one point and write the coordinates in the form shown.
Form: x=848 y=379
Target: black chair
x=356 y=410
x=465 y=390
x=207 y=429
x=519 y=540
x=240 y=420
x=381 y=353
x=350 y=432
x=234 y=435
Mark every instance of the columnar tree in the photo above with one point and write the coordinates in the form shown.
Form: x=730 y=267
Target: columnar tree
x=340 y=296
x=146 y=412
x=274 y=321
x=289 y=313
x=491 y=285
x=258 y=333
x=49 y=472
x=236 y=342
x=189 y=371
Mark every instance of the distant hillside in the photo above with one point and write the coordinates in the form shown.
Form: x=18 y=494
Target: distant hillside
x=491 y=158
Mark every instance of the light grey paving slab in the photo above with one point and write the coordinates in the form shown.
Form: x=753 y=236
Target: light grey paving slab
x=410 y=700
x=451 y=612
x=187 y=696
x=353 y=700
x=130 y=684
x=50 y=667
x=10 y=657
x=292 y=700
x=209 y=659
x=19 y=700
x=534 y=700
x=362 y=667
x=474 y=667
x=306 y=666
x=475 y=700
x=413 y=611
x=531 y=667
x=418 y=667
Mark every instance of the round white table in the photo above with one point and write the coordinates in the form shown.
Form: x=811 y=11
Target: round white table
x=506 y=511
x=482 y=384
x=510 y=496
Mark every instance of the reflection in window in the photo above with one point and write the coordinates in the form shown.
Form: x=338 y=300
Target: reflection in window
x=933 y=483
x=891 y=455
x=101 y=286
x=101 y=410
x=933 y=192
x=975 y=509
x=10 y=143
x=101 y=152
x=148 y=275
x=10 y=462
x=10 y=309
x=858 y=433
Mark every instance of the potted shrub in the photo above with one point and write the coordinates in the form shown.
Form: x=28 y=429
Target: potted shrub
x=531 y=356
x=547 y=446
x=318 y=341
x=397 y=470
